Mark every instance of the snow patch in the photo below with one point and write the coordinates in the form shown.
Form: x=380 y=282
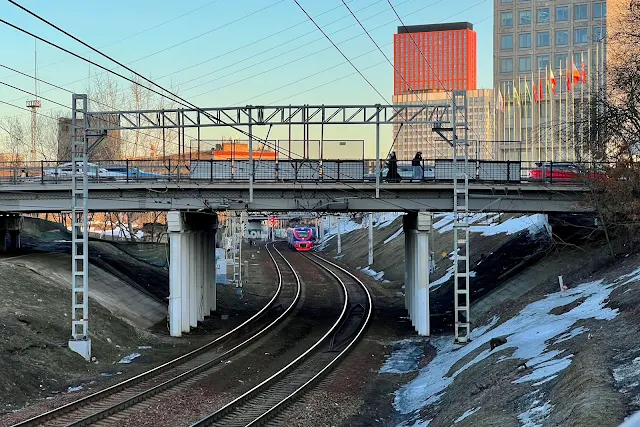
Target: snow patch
x=404 y=358
x=369 y=272
x=72 y=389
x=528 y=335
x=466 y=414
x=386 y=219
x=491 y=226
x=129 y=358
x=393 y=236
x=534 y=416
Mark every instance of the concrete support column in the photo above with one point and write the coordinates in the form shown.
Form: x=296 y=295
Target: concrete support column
x=194 y=297
x=186 y=275
x=176 y=243
x=199 y=270
x=422 y=256
x=417 y=233
x=213 y=304
x=15 y=239
x=206 y=272
x=3 y=240
x=177 y=297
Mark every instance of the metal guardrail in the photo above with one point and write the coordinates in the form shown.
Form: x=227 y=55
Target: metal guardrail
x=303 y=170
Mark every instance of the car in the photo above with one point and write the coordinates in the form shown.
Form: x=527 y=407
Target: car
x=65 y=170
x=405 y=172
x=562 y=172
x=119 y=171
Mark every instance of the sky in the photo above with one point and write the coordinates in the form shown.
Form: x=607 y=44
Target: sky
x=224 y=53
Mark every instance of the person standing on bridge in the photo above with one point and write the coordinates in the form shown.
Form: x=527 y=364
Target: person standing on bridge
x=392 y=171
x=418 y=172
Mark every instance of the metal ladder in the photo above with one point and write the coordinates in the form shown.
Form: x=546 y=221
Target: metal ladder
x=80 y=220
x=461 y=215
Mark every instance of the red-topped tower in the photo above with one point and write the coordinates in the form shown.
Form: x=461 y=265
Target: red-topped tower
x=445 y=55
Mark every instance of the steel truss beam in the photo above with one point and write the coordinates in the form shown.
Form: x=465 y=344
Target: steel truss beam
x=268 y=115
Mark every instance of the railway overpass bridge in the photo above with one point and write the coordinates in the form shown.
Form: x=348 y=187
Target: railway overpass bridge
x=191 y=195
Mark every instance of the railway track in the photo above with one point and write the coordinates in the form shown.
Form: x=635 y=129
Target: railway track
x=102 y=406
x=263 y=402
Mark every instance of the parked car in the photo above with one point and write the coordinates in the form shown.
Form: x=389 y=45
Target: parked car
x=119 y=171
x=65 y=170
x=405 y=172
x=562 y=172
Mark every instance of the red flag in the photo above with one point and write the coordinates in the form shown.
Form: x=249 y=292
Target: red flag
x=575 y=73
x=535 y=94
x=568 y=78
x=584 y=73
x=552 y=79
x=540 y=91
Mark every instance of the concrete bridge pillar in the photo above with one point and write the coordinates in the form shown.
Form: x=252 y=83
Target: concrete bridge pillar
x=417 y=230
x=191 y=269
x=10 y=224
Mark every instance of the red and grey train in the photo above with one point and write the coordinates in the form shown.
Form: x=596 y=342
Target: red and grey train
x=301 y=238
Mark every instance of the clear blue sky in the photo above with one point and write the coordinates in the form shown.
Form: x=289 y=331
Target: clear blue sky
x=238 y=39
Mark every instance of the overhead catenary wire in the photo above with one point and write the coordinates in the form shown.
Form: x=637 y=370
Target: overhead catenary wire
x=182 y=100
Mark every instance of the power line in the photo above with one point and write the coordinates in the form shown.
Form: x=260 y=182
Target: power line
x=136 y=34
x=139 y=75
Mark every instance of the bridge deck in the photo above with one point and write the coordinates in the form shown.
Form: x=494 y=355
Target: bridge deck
x=293 y=196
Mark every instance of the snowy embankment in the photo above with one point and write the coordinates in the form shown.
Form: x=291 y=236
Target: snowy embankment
x=488 y=224
x=534 y=336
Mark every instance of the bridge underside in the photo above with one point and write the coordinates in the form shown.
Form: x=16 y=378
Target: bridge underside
x=315 y=197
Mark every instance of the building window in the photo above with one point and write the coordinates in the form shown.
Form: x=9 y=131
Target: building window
x=562 y=38
x=506 y=19
x=600 y=10
x=524 y=64
x=580 y=36
x=562 y=14
x=580 y=11
x=577 y=58
x=524 y=17
x=542 y=39
x=560 y=61
x=543 y=62
x=506 y=1
x=506 y=65
x=524 y=40
x=599 y=33
x=543 y=15
x=506 y=41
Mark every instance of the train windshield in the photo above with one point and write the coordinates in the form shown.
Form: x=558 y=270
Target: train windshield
x=302 y=234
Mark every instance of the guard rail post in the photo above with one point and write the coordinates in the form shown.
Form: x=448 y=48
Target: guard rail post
x=42 y=171
x=127 y=166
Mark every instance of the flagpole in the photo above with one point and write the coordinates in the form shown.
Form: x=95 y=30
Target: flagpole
x=589 y=95
x=504 y=125
x=551 y=102
x=566 y=113
x=573 y=110
x=526 y=122
x=532 y=113
x=560 y=120
x=546 y=115
x=539 y=115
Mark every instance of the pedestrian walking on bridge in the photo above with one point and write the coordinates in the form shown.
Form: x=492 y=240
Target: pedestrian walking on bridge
x=418 y=172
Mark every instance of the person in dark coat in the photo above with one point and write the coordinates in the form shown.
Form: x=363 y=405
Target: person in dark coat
x=418 y=173
x=392 y=164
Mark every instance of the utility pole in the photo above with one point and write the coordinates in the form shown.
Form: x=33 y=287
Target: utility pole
x=33 y=105
x=370 y=238
x=339 y=234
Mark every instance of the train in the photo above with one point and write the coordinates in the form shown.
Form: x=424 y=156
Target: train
x=301 y=239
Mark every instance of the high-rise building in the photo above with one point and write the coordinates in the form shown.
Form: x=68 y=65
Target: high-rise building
x=109 y=149
x=536 y=46
x=435 y=57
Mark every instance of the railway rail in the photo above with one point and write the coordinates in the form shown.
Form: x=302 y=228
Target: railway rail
x=175 y=373
x=264 y=401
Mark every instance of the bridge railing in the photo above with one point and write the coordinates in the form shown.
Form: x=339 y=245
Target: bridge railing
x=300 y=170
